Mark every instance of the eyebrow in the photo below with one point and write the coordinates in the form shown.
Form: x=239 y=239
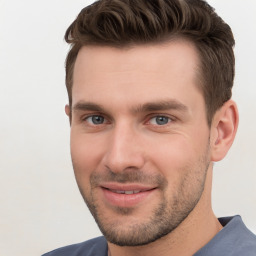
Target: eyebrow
x=87 y=106
x=169 y=104
x=162 y=105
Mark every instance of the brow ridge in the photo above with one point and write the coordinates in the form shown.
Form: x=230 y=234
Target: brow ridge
x=87 y=106
x=162 y=105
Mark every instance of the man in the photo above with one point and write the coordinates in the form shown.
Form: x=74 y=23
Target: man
x=149 y=85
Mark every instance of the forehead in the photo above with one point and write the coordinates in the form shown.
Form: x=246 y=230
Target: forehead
x=147 y=57
x=139 y=72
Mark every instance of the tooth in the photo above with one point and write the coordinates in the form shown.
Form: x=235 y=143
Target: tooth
x=128 y=192
x=120 y=192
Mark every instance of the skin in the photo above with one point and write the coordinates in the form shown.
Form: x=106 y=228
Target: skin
x=139 y=123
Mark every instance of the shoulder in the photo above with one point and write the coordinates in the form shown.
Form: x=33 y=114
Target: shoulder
x=96 y=246
x=235 y=239
x=240 y=239
x=246 y=242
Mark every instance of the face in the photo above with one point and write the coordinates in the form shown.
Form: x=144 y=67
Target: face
x=139 y=138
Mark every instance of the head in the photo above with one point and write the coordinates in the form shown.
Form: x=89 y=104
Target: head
x=149 y=84
x=123 y=24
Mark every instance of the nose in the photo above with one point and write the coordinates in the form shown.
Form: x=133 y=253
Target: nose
x=125 y=149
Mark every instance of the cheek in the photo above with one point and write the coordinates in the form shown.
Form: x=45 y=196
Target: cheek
x=175 y=155
x=86 y=155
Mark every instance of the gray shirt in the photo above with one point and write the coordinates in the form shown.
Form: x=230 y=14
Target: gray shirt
x=233 y=240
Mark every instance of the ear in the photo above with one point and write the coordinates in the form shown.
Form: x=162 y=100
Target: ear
x=223 y=130
x=68 y=112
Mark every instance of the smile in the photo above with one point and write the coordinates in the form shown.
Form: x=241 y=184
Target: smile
x=127 y=192
x=126 y=195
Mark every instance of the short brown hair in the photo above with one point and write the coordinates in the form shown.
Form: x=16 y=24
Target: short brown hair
x=121 y=23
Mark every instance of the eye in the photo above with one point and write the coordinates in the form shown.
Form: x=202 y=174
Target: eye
x=160 y=120
x=95 y=120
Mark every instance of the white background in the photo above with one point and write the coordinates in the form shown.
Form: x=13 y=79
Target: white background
x=40 y=206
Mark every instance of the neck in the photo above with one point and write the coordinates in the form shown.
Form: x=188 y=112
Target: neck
x=192 y=234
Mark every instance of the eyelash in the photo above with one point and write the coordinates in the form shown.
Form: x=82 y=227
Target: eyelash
x=85 y=118
x=149 y=118
x=169 y=119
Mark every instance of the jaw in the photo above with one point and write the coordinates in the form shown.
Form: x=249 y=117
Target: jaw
x=194 y=232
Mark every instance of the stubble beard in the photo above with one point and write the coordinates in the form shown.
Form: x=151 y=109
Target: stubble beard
x=165 y=217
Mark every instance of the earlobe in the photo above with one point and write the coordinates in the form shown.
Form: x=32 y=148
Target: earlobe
x=68 y=112
x=223 y=130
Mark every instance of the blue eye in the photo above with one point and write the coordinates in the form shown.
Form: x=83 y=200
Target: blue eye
x=160 y=120
x=96 y=120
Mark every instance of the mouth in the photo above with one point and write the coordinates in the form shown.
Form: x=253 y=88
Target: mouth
x=127 y=192
x=126 y=195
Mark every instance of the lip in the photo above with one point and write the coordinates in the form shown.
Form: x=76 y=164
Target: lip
x=120 y=194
